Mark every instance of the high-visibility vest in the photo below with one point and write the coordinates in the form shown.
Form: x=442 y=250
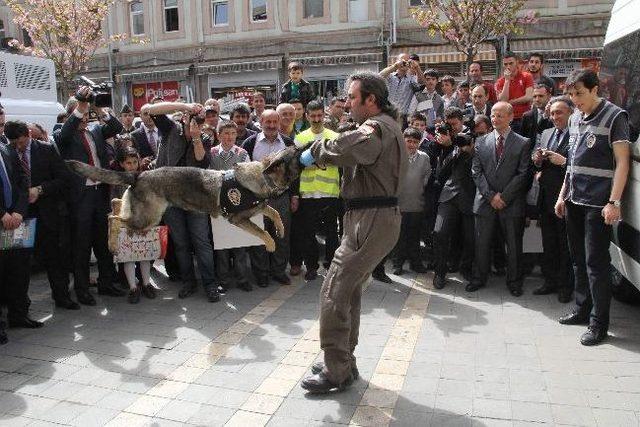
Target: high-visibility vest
x=316 y=182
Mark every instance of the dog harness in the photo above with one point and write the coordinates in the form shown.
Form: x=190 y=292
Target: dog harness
x=234 y=197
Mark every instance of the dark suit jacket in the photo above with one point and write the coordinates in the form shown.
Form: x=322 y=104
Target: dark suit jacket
x=307 y=94
x=72 y=148
x=455 y=172
x=19 y=183
x=141 y=143
x=470 y=113
x=509 y=176
x=551 y=176
x=49 y=172
x=530 y=126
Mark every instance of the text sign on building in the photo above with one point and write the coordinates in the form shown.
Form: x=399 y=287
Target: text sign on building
x=145 y=92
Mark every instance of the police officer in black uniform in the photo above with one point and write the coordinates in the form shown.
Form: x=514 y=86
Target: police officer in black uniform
x=597 y=172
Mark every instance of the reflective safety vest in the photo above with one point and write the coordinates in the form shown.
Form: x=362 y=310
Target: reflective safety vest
x=316 y=182
x=591 y=163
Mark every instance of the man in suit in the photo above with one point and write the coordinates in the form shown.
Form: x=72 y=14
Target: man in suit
x=146 y=139
x=48 y=181
x=550 y=159
x=3 y=139
x=536 y=120
x=126 y=118
x=479 y=105
x=14 y=263
x=500 y=170
x=90 y=201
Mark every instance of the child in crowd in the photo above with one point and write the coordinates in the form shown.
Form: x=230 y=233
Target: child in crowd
x=129 y=161
x=224 y=157
x=296 y=87
x=411 y=202
x=419 y=121
x=448 y=91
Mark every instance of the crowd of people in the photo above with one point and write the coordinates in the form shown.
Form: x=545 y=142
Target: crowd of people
x=485 y=158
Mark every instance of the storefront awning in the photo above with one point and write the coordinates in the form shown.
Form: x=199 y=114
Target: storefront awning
x=438 y=53
x=569 y=47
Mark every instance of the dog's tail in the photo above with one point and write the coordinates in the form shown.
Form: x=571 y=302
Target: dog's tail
x=102 y=175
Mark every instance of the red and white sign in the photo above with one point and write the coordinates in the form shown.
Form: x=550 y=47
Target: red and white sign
x=145 y=92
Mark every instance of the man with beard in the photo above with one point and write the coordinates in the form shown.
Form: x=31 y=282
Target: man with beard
x=374 y=160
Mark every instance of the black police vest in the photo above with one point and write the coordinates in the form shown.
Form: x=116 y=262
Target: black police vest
x=235 y=198
x=591 y=162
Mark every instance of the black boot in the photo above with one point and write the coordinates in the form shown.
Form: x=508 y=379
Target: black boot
x=319 y=383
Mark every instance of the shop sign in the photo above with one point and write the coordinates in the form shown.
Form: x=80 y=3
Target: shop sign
x=561 y=68
x=145 y=92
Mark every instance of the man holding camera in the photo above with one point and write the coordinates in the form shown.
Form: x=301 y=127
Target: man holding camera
x=404 y=79
x=90 y=200
x=455 y=203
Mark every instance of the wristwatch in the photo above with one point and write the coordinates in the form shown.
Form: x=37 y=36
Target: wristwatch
x=615 y=203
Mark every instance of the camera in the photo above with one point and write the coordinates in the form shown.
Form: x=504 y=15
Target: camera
x=100 y=94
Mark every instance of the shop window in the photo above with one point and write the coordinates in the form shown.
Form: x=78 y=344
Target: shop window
x=220 y=12
x=171 y=17
x=313 y=9
x=358 y=10
x=258 y=10
x=136 y=12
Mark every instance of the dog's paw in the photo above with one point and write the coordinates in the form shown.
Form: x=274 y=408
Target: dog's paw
x=280 y=229
x=270 y=245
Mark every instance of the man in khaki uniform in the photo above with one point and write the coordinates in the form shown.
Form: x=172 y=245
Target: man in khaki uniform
x=374 y=161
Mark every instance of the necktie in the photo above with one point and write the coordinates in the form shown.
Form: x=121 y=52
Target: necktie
x=85 y=142
x=6 y=186
x=556 y=140
x=24 y=162
x=152 y=142
x=499 y=147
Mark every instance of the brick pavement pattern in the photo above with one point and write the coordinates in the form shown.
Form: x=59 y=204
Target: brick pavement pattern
x=426 y=358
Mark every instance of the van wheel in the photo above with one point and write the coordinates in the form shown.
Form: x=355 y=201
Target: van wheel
x=622 y=289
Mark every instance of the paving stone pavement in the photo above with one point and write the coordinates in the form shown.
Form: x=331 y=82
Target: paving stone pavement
x=426 y=358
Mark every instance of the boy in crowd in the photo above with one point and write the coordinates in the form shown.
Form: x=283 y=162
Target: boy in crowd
x=297 y=87
x=448 y=91
x=224 y=157
x=411 y=202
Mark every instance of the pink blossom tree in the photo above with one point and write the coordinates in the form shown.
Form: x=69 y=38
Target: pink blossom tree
x=465 y=24
x=69 y=32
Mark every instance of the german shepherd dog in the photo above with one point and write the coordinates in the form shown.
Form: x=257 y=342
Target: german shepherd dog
x=193 y=189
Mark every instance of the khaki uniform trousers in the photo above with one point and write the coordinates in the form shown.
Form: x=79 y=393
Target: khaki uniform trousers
x=369 y=235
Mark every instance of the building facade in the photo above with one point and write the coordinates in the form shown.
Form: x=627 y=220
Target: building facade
x=228 y=48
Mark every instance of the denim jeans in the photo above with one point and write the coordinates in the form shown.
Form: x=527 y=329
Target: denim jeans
x=191 y=230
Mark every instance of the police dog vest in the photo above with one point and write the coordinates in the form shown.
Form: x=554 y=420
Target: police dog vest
x=234 y=197
x=591 y=161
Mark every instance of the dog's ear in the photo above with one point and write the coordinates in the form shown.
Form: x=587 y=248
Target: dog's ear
x=270 y=168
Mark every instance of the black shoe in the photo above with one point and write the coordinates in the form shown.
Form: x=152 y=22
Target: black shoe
x=311 y=275
x=398 y=271
x=545 y=289
x=319 y=383
x=213 y=295
x=187 y=289
x=573 y=318
x=382 y=277
x=149 y=291
x=515 y=290
x=134 y=296
x=317 y=367
x=68 y=303
x=222 y=289
x=3 y=334
x=499 y=271
x=594 y=335
x=419 y=268
x=111 y=291
x=283 y=279
x=439 y=282
x=263 y=283
x=564 y=295
x=245 y=286
x=85 y=298
x=473 y=286
x=25 y=322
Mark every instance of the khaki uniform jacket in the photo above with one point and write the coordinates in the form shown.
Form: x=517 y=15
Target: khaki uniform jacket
x=373 y=157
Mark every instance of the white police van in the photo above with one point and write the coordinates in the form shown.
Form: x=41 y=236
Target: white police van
x=620 y=83
x=28 y=89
